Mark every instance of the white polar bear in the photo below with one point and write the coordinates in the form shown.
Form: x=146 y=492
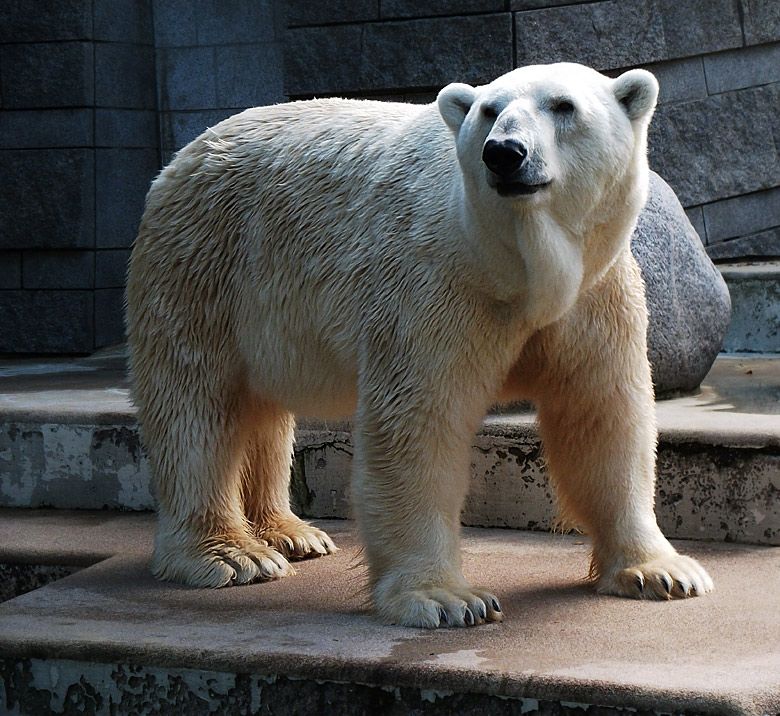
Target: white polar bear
x=408 y=264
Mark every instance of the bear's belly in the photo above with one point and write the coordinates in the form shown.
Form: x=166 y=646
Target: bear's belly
x=329 y=407
x=307 y=379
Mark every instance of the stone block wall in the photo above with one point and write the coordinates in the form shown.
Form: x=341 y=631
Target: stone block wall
x=716 y=135
x=78 y=146
x=96 y=95
x=214 y=58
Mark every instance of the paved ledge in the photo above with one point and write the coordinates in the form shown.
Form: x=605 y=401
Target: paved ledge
x=111 y=639
x=738 y=403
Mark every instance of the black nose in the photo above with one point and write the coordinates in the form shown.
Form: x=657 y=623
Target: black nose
x=504 y=157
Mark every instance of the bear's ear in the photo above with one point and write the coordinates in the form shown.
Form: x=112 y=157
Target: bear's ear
x=454 y=103
x=637 y=92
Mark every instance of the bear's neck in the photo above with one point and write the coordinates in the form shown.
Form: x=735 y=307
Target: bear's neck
x=527 y=259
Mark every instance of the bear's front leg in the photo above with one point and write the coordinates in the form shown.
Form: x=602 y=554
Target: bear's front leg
x=591 y=379
x=411 y=475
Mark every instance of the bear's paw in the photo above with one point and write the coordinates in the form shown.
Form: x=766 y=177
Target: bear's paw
x=294 y=538
x=221 y=564
x=671 y=576
x=436 y=607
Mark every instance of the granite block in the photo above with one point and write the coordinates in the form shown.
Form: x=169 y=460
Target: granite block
x=746 y=67
x=109 y=316
x=541 y=4
x=433 y=8
x=708 y=151
x=687 y=299
x=124 y=21
x=223 y=22
x=44 y=128
x=316 y=12
x=472 y=49
x=174 y=23
x=696 y=217
x=10 y=269
x=186 y=78
x=180 y=128
x=53 y=74
x=742 y=215
x=48 y=198
x=315 y=60
x=763 y=245
x=58 y=269
x=124 y=76
x=123 y=177
x=695 y=27
x=760 y=21
x=680 y=80
x=250 y=75
x=126 y=128
x=603 y=35
x=45 y=20
x=111 y=268
x=46 y=322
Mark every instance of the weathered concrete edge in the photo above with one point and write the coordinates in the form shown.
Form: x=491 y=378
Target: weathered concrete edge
x=731 y=437
x=52 y=416
x=419 y=700
x=769 y=270
x=382 y=674
x=228 y=692
x=55 y=558
x=504 y=426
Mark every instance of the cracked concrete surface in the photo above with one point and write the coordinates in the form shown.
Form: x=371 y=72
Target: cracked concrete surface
x=102 y=633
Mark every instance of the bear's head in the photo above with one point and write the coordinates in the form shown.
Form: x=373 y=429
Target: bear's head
x=545 y=133
x=553 y=164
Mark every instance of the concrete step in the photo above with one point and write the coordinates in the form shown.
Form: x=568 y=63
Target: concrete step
x=68 y=439
x=755 y=306
x=109 y=639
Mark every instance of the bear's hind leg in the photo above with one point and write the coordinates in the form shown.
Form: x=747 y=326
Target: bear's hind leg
x=265 y=488
x=197 y=444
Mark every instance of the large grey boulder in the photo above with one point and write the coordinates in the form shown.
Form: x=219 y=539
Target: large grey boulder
x=687 y=298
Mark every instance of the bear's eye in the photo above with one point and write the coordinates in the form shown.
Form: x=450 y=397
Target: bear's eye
x=489 y=112
x=562 y=107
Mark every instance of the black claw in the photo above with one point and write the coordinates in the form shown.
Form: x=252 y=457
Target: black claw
x=482 y=611
x=667 y=584
x=640 y=582
x=496 y=605
x=232 y=562
x=443 y=617
x=468 y=617
x=682 y=587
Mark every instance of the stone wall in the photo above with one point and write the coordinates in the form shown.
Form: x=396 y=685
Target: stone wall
x=214 y=58
x=95 y=95
x=78 y=145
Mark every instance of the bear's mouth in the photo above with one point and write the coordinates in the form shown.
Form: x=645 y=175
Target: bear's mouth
x=518 y=188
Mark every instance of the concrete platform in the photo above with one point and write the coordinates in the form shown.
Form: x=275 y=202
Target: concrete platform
x=68 y=439
x=111 y=640
x=755 y=306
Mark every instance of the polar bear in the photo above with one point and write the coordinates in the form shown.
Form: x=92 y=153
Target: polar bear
x=409 y=265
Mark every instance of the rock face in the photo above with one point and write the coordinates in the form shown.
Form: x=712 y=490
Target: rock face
x=687 y=298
